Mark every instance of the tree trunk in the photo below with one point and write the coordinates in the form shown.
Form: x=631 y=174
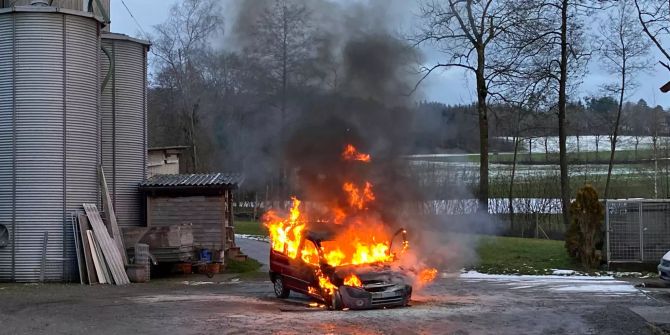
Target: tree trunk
x=578 y=143
x=546 y=148
x=191 y=134
x=283 y=185
x=615 y=131
x=511 y=183
x=654 y=139
x=565 y=181
x=482 y=111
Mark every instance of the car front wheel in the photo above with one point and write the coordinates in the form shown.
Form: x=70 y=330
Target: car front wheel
x=281 y=291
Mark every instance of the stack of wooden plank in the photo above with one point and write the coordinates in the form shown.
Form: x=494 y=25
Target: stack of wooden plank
x=100 y=260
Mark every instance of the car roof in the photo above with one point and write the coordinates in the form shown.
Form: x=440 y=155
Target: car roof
x=320 y=233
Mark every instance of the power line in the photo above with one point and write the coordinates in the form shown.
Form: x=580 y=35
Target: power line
x=136 y=22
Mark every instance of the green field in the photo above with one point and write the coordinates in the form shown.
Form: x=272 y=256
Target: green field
x=250 y=228
x=250 y=265
x=514 y=255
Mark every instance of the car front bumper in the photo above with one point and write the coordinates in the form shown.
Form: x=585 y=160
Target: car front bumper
x=358 y=298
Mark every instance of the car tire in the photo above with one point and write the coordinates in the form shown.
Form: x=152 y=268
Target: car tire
x=281 y=291
x=336 y=303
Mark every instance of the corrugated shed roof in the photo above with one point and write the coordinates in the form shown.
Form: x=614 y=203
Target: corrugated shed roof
x=224 y=180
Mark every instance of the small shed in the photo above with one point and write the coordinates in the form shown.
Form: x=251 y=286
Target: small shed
x=203 y=201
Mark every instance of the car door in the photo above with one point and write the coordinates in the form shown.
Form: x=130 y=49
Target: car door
x=303 y=267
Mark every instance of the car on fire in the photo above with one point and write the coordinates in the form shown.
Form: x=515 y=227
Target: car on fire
x=664 y=267
x=366 y=286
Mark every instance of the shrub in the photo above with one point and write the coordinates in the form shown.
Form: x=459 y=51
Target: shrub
x=585 y=231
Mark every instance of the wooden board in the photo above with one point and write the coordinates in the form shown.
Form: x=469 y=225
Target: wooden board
x=91 y=274
x=96 y=261
x=108 y=208
x=103 y=265
x=109 y=249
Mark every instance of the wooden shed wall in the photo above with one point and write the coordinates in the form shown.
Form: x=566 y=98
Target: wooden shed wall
x=207 y=214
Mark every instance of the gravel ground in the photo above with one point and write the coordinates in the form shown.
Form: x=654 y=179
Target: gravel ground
x=454 y=304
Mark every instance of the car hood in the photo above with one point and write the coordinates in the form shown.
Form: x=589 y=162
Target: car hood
x=667 y=256
x=372 y=274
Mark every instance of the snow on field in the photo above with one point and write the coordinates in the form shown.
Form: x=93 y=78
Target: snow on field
x=602 y=285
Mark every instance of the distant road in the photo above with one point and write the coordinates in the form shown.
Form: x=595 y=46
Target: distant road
x=257 y=250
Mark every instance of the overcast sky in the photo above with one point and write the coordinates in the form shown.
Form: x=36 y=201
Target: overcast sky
x=450 y=87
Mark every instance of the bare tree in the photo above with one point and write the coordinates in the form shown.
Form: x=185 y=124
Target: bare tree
x=179 y=45
x=282 y=46
x=623 y=52
x=654 y=16
x=551 y=38
x=464 y=31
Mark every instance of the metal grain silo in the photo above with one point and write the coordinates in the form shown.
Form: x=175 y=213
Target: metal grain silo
x=49 y=131
x=123 y=110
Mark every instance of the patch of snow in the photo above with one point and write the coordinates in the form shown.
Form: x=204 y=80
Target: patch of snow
x=592 y=288
x=558 y=272
x=560 y=283
x=483 y=276
x=197 y=283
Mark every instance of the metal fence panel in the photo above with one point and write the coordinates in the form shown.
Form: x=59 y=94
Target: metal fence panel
x=623 y=231
x=655 y=230
x=637 y=230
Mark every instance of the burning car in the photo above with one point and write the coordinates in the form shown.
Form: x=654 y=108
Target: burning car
x=341 y=249
x=349 y=286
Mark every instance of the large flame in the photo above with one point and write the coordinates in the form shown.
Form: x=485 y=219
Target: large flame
x=364 y=239
x=351 y=154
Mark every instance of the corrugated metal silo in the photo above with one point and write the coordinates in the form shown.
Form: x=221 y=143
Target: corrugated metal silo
x=80 y=5
x=123 y=111
x=49 y=130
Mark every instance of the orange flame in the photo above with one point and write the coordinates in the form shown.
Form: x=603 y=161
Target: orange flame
x=359 y=197
x=325 y=283
x=285 y=234
x=427 y=275
x=353 y=280
x=364 y=239
x=351 y=154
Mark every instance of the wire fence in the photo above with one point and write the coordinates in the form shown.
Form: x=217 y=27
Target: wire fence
x=637 y=230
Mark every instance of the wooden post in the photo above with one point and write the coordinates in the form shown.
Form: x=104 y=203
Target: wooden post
x=86 y=249
x=224 y=221
x=149 y=210
x=255 y=206
x=230 y=208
